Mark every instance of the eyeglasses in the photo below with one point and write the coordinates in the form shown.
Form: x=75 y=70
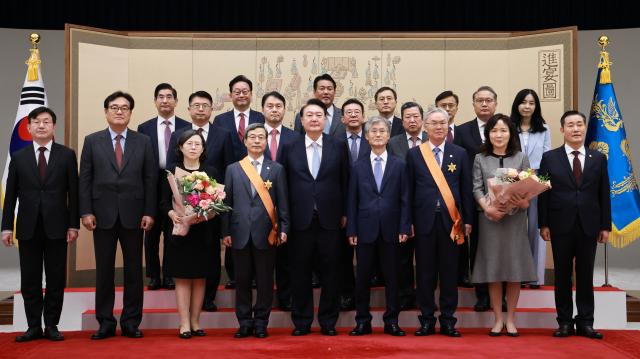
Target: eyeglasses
x=115 y=109
x=241 y=92
x=257 y=137
x=481 y=101
x=198 y=106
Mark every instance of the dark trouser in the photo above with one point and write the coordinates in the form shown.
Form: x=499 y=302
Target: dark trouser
x=105 y=242
x=367 y=255
x=250 y=260
x=283 y=274
x=213 y=281
x=347 y=275
x=152 y=248
x=324 y=244
x=54 y=254
x=482 y=289
x=436 y=260
x=406 y=276
x=565 y=248
x=228 y=264
x=463 y=262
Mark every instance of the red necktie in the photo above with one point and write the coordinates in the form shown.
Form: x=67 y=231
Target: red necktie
x=42 y=163
x=577 y=167
x=118 y=151
x=241 y=127
x=449 y=136
x=273 y=146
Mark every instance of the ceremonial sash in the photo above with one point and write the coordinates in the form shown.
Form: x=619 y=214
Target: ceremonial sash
x=457 y=233
x=262 y=191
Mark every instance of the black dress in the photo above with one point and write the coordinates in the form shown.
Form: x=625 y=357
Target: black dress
x=191 y=256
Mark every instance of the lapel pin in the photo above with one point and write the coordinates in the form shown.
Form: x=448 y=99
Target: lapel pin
x=451 y=167
x=268 y=184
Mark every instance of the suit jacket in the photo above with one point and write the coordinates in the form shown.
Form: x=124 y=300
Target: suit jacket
x=110 y=193
x=55 y=199
x=218 y=146
x=363 y=151
x=150 y=129
x=337 y=128
x=468 y=137
x=539 y=143
x=227 y=121
x=327 y=191
x=398 y=145
x=249 y=219
x=396 y=126
x=424 y=193
x=286 y=136
x=566 y=203
x=372 y=213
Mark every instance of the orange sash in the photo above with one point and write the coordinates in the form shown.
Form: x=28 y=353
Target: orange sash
x=457 y=233
x=262 y=191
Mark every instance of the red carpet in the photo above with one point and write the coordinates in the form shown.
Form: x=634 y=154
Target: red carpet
x=533 y=343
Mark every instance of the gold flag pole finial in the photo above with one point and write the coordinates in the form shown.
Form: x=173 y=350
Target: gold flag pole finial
x=34 y=59
x=604 y=63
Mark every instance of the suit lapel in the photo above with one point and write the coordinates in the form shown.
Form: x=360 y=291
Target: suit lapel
x=53 y=156
x=325 y=156
x=588 y=163
x=129 y=148
x=475 y=133
x=387 y=170
x=33 y=163
x=335 y=119
x=564 y=162
x=154 y=135
x=107 y=144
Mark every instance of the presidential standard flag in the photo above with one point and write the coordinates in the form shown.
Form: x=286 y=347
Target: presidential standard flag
x=31 y=97
x=606 y=133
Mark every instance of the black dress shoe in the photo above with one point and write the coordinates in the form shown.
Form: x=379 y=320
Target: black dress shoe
x=425 y=329
x=184 y=335
x=154 y=284
x=297 y=332
x=347 y=304
x=361 y=329
x=209 y=306
x=564 y=330
x=285 y=305
x=482 y=305
x=134 y=333
x=588 y=332
x=53 y=334
x=198 y=333
x=407 y=303
x=230 y=285
x=394 y=330
x=464 y=282
x=450 y=331
x=513 y=334
x=376 y=282
x=534 y=286
x=168 y=283
x=315 y=281
x=261 y=332
x=254 y=285
x=103 y=333
x=32 y=333
x=243 y=332
x=330 y=332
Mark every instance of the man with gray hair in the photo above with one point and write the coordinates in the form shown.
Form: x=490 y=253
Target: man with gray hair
x=377 y=222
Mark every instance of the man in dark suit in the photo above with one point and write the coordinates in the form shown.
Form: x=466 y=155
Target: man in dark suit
x=575 y=215
x=273 y=109
x=377 y=221
x=159 y=130
x=470 y=136
x=441 y=201
x=324 y=89
x=219 y=155
x=43 y=177
x=118 y=187
x=448 y=101
x=412 y=136
x=317 y=173
x=256 y=188
x=386 y=100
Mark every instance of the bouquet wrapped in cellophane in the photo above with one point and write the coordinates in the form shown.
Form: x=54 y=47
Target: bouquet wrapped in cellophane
x=509 y=183
x=196 y=196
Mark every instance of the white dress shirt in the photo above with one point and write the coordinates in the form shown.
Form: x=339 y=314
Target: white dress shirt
x=236 y=116
x=205 y=130
x=481 y=128
x=373 y=157
x=307 y=143
x=441 y=153
x=162 y=154
x=330 y=115
x=260 y=162
x=410 y=143
x=36 y=148
x=581 y=156
x=269 y=129
x=113 y=138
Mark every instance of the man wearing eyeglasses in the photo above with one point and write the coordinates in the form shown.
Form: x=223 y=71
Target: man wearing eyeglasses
x=219 y=155
x=159 y=130
x=470 y=136
x=448 y=101
x=118 y=188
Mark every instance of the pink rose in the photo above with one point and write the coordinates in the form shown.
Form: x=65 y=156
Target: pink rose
x=205 y=203
x=193 y=199
x=221 y=195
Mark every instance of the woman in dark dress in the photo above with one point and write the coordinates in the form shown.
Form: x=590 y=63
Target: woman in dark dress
x=189 y=257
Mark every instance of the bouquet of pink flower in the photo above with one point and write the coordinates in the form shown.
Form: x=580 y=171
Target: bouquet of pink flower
x=510 y=185
x=195 y=196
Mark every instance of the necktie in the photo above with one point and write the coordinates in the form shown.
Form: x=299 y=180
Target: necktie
x=118 y=151
x=167 y=135
x=449 y=136
x=414 y=141
x=436 y=154
x=241 y=127
x=200 y=130
x=577 y=167
x=42 y=163
x=377 y=171
x=315 y=160
x=354 y=147
x=255 y=165
x=327 y=125
x=273 y=147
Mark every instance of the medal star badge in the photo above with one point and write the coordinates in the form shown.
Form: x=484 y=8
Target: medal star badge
x=451 y=167
x=268 y=184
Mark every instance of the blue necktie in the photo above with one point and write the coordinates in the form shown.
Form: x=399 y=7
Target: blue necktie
x=436 y=152
x=255 y=165
x=354 y=147
x=327 y=125
x=377 y=172
x=315 y=160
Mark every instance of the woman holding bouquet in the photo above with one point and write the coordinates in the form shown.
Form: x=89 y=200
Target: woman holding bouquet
x=535 y=139
x=192 y=257
x=503 y=245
